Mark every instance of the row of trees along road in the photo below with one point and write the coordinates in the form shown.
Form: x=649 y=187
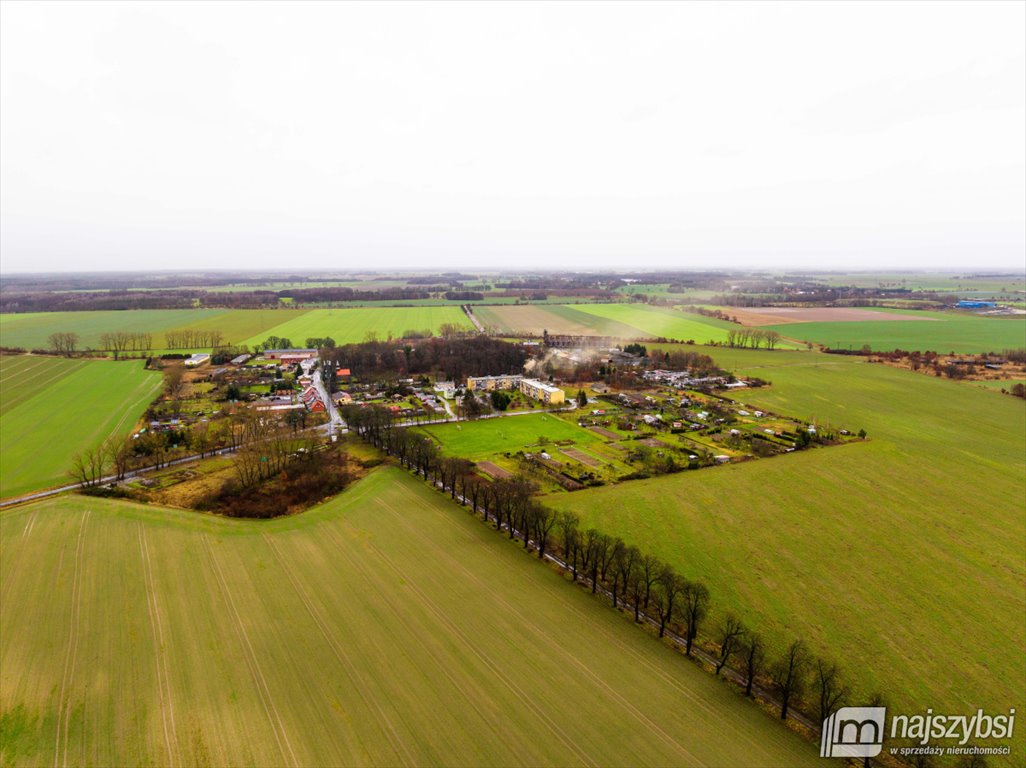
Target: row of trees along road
x=633 y=580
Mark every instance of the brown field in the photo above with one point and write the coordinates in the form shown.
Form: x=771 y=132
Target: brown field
x=780 y=315
x=582 y=457
x=605 y=433
x=531 y=320
x=493 y=470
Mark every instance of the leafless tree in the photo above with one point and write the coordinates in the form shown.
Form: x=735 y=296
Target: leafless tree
x=731 y=638
x=88 y=466
x=63 y=343
x=755 y=657
x=667 y=592
x=832 y=691
x=789 y=675
x=696 y=604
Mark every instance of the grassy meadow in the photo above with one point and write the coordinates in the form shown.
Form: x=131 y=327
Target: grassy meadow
x=31 y=330
x=134 y=635
x=238 y=326
x=347 y=326
x=664 y=323
x=900 y=558
x=53 y=408
x=626 y=321
x=958 y=332
x=477 y=439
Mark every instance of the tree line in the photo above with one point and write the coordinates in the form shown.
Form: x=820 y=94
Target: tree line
x=634 y=581
x=743 y=338
x=119 y=342
x=448 y=357
x=189 y=338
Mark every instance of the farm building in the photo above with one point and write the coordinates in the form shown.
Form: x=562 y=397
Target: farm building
x=976 y=305
x=197 y=359
x=240 y=359
x=541 y=391
x=290 y=356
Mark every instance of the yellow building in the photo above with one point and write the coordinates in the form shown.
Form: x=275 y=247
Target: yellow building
x=491 y=383
x=539 y=390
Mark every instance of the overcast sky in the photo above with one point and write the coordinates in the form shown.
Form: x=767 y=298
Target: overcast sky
x=569 y=135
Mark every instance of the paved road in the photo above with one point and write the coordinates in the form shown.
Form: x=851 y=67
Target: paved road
x=335 y=424
x=113 y=478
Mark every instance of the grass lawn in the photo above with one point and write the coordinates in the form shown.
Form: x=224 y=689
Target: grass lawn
x=385 y=627
x=956 y=332
x=347 y=326
x=478 y=439
x=53 y=408
x=901 y=558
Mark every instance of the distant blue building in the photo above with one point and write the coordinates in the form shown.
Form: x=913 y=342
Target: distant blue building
x=976 y=304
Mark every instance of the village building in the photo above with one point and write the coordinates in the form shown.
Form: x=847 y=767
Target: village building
x=539 y=390
x=197 y=359
x=290 y=356
x=492 y=383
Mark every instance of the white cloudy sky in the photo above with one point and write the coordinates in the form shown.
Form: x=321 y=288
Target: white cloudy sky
x=576 y=135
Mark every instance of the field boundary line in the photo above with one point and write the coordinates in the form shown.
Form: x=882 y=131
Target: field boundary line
x=64 y=708
x=167 y=710
x=351 y=671
x=266 y=699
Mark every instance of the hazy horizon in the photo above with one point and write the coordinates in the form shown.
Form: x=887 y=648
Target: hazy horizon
x=501 y=136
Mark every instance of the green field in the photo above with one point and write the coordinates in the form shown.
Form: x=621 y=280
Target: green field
x=237 y=325
x=31 y=330
x=665 y=323
x=478 y=439
x=386 y=627
x=900 y=558
x=924 y=281
x=625 y=321
x=347 y=326
x=53 y=408
x=957 y=332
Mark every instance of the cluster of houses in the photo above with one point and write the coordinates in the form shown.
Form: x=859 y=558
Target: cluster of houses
x=533 y=388
x=684 y=380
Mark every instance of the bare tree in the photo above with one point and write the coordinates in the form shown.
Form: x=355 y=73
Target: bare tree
x=623 y=567
x=755 y=657
x=63 y=343
x=668 y=591
x=118 y=452
x=696 y=604
x=569 y=525
x=789 y=675
x=731 y=638
x=88 y=466
x=544 y=521
x=831 y=690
